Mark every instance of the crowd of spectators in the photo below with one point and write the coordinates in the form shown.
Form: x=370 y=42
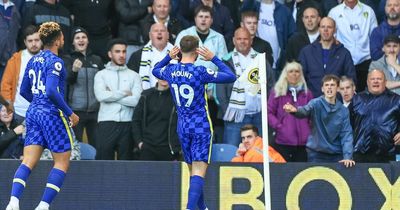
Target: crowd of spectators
x=111 y=46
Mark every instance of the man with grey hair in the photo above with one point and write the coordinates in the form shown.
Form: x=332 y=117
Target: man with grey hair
x=390 y=26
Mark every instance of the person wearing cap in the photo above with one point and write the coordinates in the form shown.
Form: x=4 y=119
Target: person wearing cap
x=391 y=25
x=82 y=66
x=389 y=62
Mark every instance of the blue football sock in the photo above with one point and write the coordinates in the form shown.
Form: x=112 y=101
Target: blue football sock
x=195 y=191
x=19 y=181
x=201 y=203
x=54 y=182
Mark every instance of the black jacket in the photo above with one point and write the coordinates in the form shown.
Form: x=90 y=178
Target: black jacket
x=42 y=12
x=155 y=120
x=134 y=60
x=300 y=7
x=94 y=16
x=375 y=120
x=263 y=46
x=130 y=13
x=10 y=145
x=174 y=27
x=295 y=44
x=80 y=84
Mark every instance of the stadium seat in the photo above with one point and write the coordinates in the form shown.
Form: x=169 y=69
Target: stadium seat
x=223 y=152
x=88 y=152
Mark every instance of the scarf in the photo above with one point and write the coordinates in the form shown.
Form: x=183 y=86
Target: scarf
x=147 y=63
x=245 y=85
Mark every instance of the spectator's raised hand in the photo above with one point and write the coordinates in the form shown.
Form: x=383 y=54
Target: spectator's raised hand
x=76 y=65
x=241 y=150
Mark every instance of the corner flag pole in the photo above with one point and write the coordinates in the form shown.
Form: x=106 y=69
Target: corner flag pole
x=264 y=117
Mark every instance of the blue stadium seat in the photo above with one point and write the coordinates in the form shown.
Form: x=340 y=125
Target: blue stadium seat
x=223 y=152
x=88 y=152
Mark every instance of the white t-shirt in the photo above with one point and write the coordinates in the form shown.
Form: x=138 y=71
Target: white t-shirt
x=267 y=30
x=21 y=104
x=313 y=37
x=354 y=26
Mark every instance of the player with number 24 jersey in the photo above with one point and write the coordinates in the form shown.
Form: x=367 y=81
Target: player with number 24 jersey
x=43 y=85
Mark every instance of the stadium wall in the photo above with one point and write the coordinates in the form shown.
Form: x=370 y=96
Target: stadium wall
x=134 y=185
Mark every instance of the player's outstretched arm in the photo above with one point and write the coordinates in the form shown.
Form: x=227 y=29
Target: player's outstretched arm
x=54 y=96
x=25 y=89
x=157 y=71
x=225 y=74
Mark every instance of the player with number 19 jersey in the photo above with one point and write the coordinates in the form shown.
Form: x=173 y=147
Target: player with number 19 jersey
x=43 y=86
x=188 y=84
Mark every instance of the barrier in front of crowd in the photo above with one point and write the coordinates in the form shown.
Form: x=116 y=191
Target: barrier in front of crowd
x=140 y=185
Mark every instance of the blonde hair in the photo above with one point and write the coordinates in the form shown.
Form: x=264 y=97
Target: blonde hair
x=49 y=32
x=281 y=86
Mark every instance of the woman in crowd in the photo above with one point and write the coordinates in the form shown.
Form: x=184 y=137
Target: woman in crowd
x=290 y=133
x=11 y=145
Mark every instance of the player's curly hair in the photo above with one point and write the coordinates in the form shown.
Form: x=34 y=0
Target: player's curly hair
x=49 y=32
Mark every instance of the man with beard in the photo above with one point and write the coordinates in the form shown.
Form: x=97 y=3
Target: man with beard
x=118 y=90
x=15 y=69
x=390 y=26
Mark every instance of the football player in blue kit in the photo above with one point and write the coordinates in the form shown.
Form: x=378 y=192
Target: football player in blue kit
x=48 y=119
x=188 y=84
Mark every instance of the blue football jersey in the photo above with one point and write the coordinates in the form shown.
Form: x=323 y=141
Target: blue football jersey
x=188 y=84
x=41 y=68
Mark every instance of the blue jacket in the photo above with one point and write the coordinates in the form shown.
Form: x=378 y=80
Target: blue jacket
x=331 y=130
x=339 y=63
x=377 y=37
x=376 y=120
x=284 y=23
x=8 y=34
